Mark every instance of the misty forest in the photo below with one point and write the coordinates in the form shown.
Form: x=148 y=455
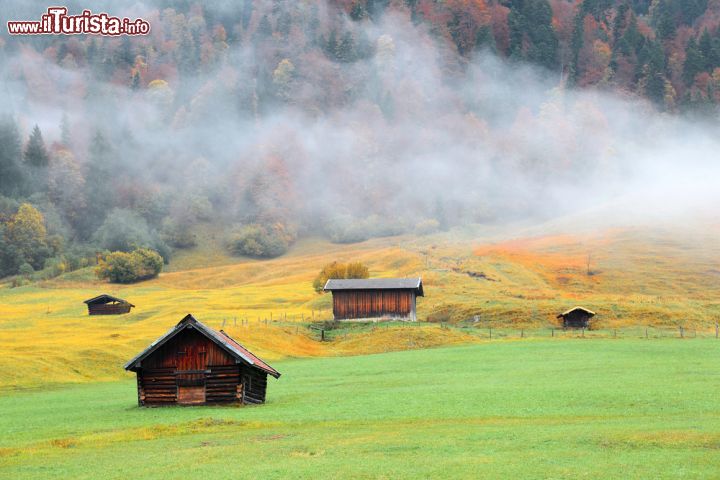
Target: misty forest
x=347 y=119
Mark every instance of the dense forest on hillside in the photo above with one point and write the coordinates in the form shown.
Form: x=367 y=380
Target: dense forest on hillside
x=349 y=118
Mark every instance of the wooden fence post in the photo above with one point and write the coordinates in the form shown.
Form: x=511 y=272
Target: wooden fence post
x=682 y=334
x=717 y=329
x=490 y=332
x=522 y=333
x=646 y=332
x=552 y=332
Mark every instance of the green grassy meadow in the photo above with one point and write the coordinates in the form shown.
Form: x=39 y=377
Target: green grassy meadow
x=572 y=408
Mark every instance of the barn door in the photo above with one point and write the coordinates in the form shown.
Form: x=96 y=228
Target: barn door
x=191 y=395
x=191 y=374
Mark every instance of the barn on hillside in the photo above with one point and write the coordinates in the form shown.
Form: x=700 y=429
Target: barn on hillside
x=193 y=364
x=365 y=299
x=108 y=305
x=577 y=317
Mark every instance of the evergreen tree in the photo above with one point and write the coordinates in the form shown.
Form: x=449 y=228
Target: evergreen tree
x=654 y=72
x=331 y=45
x=124 y=55
x=544 y=42
x=706 y=49
x=264 y=29
x=98 y=185
x=576 y=44
x=517 y=27
x=376 y=8
x=619 y=22
x=284 y=23
x=664 y=20
x=135 y=81
x=313 y=25
x=358 y=12
x=530 y=22
x=596 y=8
x=11 y=174
x=694 y=62
x=247 y=10
x=36 y=161
x=35 y=152
x=485 y=39
x=189 y=55
x=345 y=50
x=65 y=137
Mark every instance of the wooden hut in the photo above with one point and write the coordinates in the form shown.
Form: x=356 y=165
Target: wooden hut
x=366 y=299
x=108 y=305
x=193 y=364
x=577 y=317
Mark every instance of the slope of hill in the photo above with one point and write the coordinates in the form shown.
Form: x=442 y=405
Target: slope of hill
x=638 y=277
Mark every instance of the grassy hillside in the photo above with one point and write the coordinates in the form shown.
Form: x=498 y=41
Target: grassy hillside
x=537 y=409
x=638 y=277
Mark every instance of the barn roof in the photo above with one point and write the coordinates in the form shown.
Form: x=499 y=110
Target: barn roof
x=222 y=339
x=105 y=298
x=583 y=309
x=376 y=284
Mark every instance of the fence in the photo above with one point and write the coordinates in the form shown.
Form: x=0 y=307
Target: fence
x=323 y=328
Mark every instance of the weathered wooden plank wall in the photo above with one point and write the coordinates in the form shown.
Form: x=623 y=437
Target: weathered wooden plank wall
x=348 y=304
x=109 y=309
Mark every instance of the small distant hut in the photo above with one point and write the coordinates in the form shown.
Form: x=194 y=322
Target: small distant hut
x=108 y=305
x=367 y=299
x=577 y=317
x=193 y=364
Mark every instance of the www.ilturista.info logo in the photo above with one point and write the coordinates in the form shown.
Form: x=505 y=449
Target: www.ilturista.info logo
x=57 y=22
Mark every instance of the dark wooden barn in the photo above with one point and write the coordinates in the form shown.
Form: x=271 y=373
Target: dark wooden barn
x=108 y=305
x=193 y=364
x=577 y=317
x=392 y=298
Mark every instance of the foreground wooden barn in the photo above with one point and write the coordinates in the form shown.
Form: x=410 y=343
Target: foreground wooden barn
x=193 y=364
x=577 y=317
x=393 y=298
x=108 y=305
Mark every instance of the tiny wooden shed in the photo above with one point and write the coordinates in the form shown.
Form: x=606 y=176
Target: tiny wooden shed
x=108 y=305
x=366 y=299
x=193 y=364
x=577 y=317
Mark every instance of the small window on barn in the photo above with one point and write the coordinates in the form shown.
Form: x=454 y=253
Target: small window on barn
x=181 y=352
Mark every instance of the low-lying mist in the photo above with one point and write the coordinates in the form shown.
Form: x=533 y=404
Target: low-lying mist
x=408 y=136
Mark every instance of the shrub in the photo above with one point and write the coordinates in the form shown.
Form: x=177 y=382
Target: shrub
x=178 y=233
x=339 y=270
x=26 y=270
x=347 y=229
x=258 y=241
x=124 y=230
x=123 y=267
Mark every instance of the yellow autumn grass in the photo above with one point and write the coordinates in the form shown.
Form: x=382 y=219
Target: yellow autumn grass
x=640 y=278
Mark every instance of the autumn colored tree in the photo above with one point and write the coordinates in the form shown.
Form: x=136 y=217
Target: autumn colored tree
x=337 y=270
x=26 y=233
